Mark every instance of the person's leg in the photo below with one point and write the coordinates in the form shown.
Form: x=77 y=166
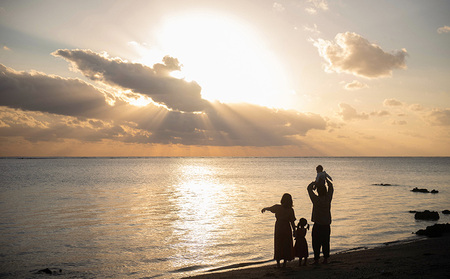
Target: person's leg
x=326 y=241
x=320 y=238
x=315 y=243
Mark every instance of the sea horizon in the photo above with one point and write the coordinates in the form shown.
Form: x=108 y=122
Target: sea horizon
x=137 y=157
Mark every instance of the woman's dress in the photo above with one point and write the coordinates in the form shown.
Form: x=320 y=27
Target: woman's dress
x=284 y=249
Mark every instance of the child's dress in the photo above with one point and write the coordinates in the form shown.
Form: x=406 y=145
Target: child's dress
x=301 y=246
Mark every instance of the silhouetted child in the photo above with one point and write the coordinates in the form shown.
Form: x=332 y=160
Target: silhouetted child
x=301 y=246
x=322 y=177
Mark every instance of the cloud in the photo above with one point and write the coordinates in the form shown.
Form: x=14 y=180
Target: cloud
x=392 y=103
x=348 y=113
x=443 y=29
x=355 y=85
x=237 y=125
x=40 y=107
x=39 y=92
x=351 y=53
x=45 y=127
x=380 y=113
x=439 y=117
x=315 y=5
x=313 y=29
x=416 y=107
x=278 y=7
x=399 y=122
x=156 y=82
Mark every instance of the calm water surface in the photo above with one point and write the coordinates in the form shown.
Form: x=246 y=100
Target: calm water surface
x=174 y=217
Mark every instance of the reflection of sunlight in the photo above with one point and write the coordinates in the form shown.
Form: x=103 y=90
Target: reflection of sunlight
x=198 y=200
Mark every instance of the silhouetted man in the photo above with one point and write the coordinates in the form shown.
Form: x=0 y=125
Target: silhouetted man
x=321 y=216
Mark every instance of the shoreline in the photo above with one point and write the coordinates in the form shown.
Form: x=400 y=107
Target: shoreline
x=421 y=258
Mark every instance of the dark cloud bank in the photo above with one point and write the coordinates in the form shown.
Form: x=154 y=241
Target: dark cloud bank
x=39 y=107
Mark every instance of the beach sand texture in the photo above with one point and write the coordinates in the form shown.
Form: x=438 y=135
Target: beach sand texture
x=424 y=258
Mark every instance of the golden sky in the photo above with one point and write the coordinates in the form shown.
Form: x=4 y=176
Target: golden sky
x=225 y=78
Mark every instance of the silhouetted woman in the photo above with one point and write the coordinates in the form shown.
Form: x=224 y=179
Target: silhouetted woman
x=284 y=228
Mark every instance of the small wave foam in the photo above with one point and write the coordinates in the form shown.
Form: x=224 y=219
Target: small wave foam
x=188 y=268
x=239 y=265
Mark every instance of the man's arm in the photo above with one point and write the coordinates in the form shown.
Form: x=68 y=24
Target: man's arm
x=311 y=193
x=330 y=189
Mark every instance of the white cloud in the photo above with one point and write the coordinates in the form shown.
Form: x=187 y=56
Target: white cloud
x=312 y=29
x=351 y=53
x=443 y=29
x=311 y=11
x=355 y=85
x=392 y=103
x=316 y=5
x=278 y=7
x=349 y=113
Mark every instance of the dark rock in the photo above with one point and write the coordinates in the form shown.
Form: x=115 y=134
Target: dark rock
x=420 y=190
x=45 y=271
x=49 y=271
x=427 y=215
x=435 y=231
x=434 y=191
x=446 y=211
x=412 y=211
x=382 y=184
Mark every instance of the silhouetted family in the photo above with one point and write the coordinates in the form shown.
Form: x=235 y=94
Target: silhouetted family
x=285 y=227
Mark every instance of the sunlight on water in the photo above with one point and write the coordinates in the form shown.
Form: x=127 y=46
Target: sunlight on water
x=196 y=201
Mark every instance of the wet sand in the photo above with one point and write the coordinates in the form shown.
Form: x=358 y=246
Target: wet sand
x=424 y=258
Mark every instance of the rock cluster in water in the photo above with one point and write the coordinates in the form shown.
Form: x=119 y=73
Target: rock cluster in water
x=426 y=215
x=418 y=190
x=435 y=230
x=53 y=271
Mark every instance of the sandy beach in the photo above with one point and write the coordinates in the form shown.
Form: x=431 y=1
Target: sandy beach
x=422 y=258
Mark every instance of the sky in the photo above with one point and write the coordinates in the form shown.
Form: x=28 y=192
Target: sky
x=225 y=78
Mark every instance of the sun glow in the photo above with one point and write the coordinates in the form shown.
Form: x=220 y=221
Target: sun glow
x=225 y=57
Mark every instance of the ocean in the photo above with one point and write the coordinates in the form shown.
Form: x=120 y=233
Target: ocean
x=175 y=217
